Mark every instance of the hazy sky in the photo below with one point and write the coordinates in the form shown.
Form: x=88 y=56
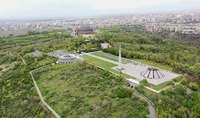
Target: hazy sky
x=28 y=9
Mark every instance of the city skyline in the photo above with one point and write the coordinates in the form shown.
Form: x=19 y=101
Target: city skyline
x=34 y=9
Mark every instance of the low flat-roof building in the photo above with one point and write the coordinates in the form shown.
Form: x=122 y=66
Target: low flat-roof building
x=67 y=59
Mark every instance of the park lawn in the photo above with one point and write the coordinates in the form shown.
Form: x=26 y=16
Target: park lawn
x=101 y=63
x=165 y=84
x=105 y=65
x=151 y=63
x=82 y=90
x=158 y=87
x=100 y=54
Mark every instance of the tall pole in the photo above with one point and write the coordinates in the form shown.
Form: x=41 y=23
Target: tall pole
x=120 y=61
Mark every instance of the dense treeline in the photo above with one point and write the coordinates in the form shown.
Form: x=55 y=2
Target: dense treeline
x=192 y=39
x=183 y=58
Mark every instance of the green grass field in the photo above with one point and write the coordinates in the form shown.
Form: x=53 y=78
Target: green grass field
x=151 y=63
x=158 y=87
x=166 y=67
x=100 y=54
x=78 y=90
x=105 y=65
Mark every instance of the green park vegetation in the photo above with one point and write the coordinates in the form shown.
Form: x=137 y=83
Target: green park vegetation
x=36 y=62
x=156 y=87
x=82 y=90
x=143 y=82
x=174 y=102
x=180 y=57
x=166 y=54
x=105 y=65
x=101 y=54
x=98 y=62
x=155 y=64
x=18 y=97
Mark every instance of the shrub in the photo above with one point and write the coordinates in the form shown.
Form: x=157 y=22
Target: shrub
x=171 y=83
x=122 y=93
x=193 y=86
x=139 y=90
x=184 y=81
x=178 y=79
x=42 y=115
x=9 y=84
x=1 y=69
x=143 y=82
x=160 y=101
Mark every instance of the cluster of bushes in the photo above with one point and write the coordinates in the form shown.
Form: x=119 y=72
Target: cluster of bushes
x=83 y=90
x=36 y=62
x=192 y=85
x=179 y=103
x=18 y=95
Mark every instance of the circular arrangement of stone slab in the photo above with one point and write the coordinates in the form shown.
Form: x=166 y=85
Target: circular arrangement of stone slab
x=152 y=73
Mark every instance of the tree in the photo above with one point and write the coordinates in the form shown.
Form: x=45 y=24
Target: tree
x=144 y=82
x=171 y=83
x=160 y=101
x=122 y=93
x=193 y=86
x=184 y=81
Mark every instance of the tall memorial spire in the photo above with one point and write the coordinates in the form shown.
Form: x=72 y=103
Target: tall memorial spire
x=120 y=60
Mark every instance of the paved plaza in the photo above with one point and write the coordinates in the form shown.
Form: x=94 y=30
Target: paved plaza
x=136 y=69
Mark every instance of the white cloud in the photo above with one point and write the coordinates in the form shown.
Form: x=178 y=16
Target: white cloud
x=30 y=8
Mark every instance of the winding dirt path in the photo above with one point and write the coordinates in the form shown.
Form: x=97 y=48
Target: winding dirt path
x=38 y=90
